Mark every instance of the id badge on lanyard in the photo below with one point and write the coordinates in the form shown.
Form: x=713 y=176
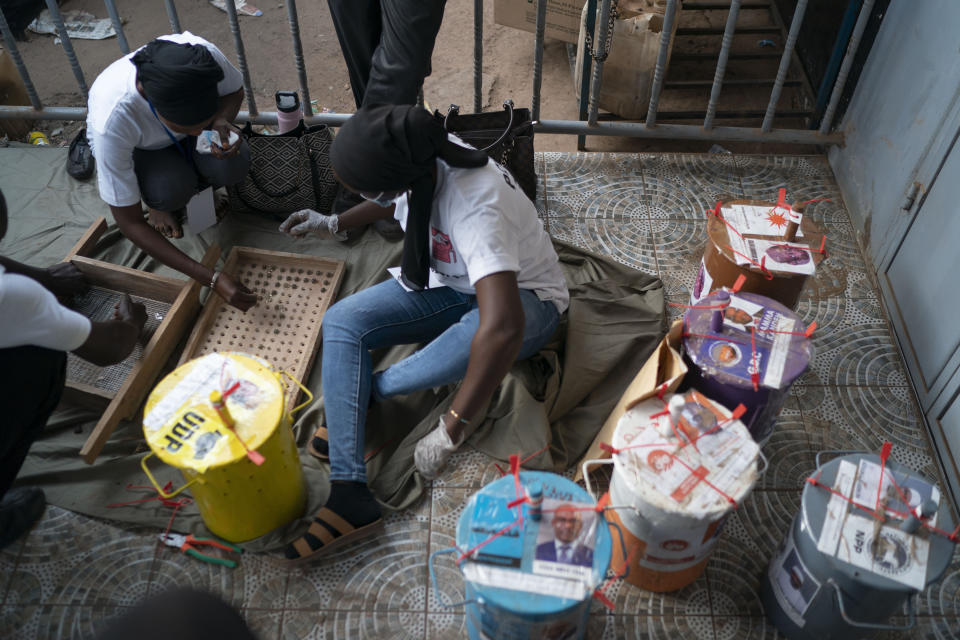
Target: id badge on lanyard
x=183 y=152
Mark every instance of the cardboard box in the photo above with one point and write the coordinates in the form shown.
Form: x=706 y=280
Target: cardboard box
x=563 y=17
x=664 y=370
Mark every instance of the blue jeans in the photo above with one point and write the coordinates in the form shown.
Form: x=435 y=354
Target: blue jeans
x=386 y=315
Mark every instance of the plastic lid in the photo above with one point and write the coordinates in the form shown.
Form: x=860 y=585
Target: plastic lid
x=287 y=101
x=885 y=557
x=184 y=427
x=542 y=567
x=664 y=459
x=777 y=349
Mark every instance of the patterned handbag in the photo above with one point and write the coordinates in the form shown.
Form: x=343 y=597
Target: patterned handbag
x=287 y=173
x=506 y=136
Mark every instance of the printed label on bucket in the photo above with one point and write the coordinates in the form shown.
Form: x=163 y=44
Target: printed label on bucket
x=491 y=517
x=902 y=497
x=703 y=284
x=792 y=583
x=556 y=561
x=565 y=540
x=885 y=551
x=740 y=354
x=767 y=220
x=776 y=255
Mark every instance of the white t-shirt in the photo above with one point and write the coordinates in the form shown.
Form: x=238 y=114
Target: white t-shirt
x=119 y=120
x=482 y=223
x=31 y=315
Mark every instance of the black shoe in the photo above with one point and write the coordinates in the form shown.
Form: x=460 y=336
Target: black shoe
x=20 y=508
x=389 y=229
x=80 y=159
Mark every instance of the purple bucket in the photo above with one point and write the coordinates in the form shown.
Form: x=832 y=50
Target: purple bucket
x=725 y=360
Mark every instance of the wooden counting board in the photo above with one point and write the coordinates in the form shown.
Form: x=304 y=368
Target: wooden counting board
x=171 y=304
x=294 y=292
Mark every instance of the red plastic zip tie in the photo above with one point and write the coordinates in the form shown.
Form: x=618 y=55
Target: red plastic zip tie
x=766 y=274
x=755 y=376
x=712 y=337
x=600 y=592
x=741 y=279
x=604 y=502
x=806 y=202
x=480 y=545
x=609 y=448
x=823 y=243
x=229 y=392
x=518 y=501
x=738 y=411
x=699 y=306
x=884 y=455
x=661 y=390
x=815 y=481
x=533 y=455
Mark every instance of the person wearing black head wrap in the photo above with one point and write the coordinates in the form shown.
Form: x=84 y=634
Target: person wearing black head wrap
x=179 y=80
x=394 y=148
x=144 y=114
x=479 y=283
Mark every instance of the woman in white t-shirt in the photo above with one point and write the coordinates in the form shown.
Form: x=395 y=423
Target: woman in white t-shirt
x=144 y=115
x=480 y=283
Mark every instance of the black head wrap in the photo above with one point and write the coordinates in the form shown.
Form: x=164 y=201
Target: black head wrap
x=395 y=147
x=180 y=80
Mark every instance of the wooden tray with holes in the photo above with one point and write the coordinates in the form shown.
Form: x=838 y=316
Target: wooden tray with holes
x=171 y=304
x=294 y=292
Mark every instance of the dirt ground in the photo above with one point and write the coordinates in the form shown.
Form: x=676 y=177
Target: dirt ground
x=507 y=59
x=508 y=55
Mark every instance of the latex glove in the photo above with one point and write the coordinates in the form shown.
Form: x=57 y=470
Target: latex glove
x=305 y=221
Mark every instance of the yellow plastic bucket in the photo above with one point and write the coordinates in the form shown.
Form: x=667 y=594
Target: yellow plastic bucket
x=238 y=499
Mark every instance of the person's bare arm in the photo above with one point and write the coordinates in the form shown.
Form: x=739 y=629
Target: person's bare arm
x=363 y=214
x=131 y=223
x=62 y=279
x=112 y=341
x=494 y=348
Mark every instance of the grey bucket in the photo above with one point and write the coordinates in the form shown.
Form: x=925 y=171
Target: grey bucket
x=828 y=597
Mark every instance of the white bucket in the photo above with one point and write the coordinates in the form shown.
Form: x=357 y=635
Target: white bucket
x=677 y=475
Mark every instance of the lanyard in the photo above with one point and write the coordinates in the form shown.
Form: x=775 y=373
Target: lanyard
x=183 y=152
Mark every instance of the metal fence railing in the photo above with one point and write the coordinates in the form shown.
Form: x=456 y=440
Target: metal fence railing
x=592 y=76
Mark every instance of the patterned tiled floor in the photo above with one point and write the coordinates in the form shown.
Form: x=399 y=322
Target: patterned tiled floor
x=73 y=573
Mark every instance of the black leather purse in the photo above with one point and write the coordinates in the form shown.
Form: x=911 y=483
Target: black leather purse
x=506 y=136
x=288 y=172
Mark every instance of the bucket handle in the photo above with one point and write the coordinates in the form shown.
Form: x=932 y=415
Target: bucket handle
x=837 y=452
x=766 y=463
x=911 y=613
x=585 y=467
x=623 y=547
x=302 y=388
x=156 y=485
x=433 y=580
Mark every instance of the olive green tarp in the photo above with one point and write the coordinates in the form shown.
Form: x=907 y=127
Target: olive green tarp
x=553 y=403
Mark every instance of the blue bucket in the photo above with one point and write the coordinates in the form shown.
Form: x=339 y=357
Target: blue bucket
x=537 y=578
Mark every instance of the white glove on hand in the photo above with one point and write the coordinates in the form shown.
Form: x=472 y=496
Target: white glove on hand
x=305 y=221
